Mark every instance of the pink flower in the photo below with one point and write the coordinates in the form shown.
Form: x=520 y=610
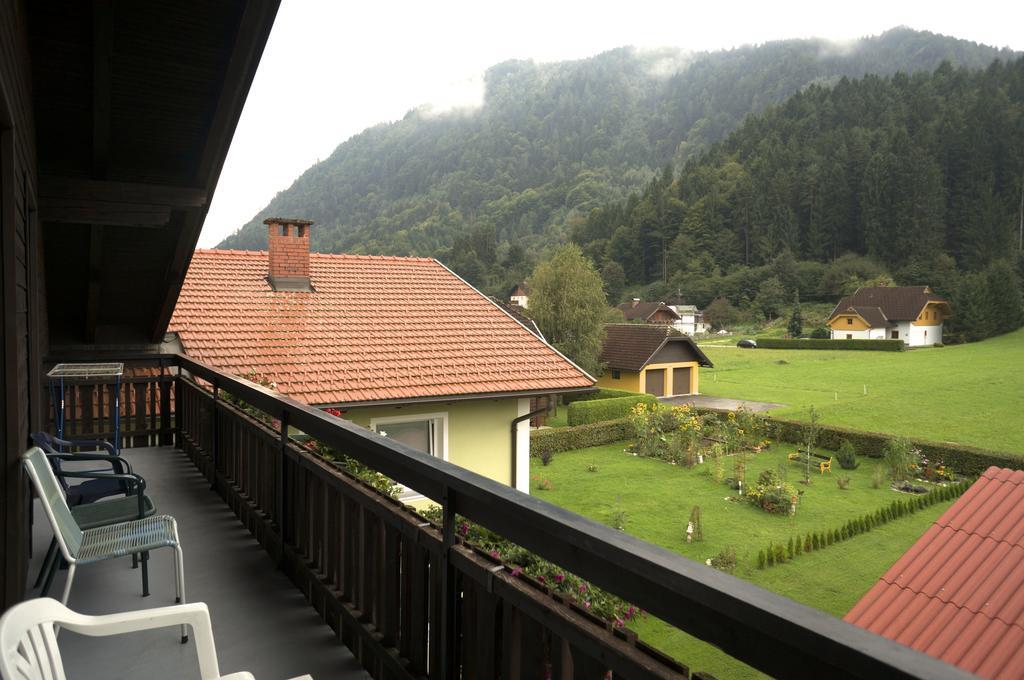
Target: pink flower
x=619 y=623
x=542 y=579
x=517 y=571
x=583 y=588
x=495 y=554
x=464 y=529
x=559 y=578
x=630 y=612
x=586 y=604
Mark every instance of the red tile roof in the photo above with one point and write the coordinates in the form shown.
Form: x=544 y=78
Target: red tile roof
x=958 y=593
x=373 y=329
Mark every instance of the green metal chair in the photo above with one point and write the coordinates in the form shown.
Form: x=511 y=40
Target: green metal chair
x=92 y=515
x=80 y=546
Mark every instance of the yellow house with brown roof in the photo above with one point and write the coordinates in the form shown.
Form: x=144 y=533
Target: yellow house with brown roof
x=651 y=358
x=448 y=371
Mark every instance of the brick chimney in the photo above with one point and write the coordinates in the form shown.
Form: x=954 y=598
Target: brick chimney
x=288 y=241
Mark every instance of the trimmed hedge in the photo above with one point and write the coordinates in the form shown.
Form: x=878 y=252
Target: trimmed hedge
x=603 y=393
x=558 y=439
x=597 y=410
x=813 y=343
x=965 y=460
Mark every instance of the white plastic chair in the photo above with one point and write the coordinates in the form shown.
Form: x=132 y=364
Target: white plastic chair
x=28 y=639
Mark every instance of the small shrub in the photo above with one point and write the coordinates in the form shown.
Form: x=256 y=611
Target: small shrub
x=815 y=541
x=546 y=457
x=828 y=538
x=846 y=456
x=877 y=477
x=771 y=555
x=820 y=333
x=808 y=544
x=843 y=483
x=771 y=494
x=780 y=554
x=901 y=459
x=545 y=485
x=844 y=533
x=591 y=468
x=789 y=548
x=761 y=559
x=725 y=560
x=799 y=547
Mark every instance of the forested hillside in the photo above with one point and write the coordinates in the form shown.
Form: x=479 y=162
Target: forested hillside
x=921 y=176
x=486 y=189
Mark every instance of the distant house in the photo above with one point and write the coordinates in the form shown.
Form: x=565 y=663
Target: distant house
x=648 y=312
x=447 y=371
x=651 y=358
x=913 y=314
x=520 y=296
x=958 y=593
x=691 y=319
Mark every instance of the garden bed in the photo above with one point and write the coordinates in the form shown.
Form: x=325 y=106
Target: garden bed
x=654 y=500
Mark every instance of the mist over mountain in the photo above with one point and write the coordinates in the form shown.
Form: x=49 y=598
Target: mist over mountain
x=486 y=189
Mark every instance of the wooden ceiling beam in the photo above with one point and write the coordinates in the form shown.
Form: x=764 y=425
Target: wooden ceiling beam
x=105 y=191
x=70 y=211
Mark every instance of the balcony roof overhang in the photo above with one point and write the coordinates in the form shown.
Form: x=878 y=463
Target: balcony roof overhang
x=135 y=105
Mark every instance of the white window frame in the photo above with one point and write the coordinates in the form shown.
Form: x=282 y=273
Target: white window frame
x=405 y=494
x=441 y=418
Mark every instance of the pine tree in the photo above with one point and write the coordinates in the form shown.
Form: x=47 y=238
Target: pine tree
x=796 y=322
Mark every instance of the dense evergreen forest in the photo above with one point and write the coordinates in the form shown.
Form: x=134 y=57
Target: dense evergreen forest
x=920 y=176
x=486 y=190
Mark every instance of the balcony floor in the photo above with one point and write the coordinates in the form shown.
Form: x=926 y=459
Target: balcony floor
x=261 y=622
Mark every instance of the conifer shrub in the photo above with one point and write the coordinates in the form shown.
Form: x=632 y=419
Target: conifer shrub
x=815 y=541
x=761 y=559
x=789 y=548
x=808 y=545
x=771 y=555
x=780 y=554
x=828 y=538
x=846 y=456
x=799 y=546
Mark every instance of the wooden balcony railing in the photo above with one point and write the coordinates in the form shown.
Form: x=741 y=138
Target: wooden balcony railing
x=410 y=600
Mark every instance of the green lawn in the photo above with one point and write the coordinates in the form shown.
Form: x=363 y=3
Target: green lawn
x=970 y=394
x=657 y=499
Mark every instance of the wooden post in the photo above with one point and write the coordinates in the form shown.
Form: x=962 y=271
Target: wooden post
x=215 y=435
x=449 y=591
x=282 y=470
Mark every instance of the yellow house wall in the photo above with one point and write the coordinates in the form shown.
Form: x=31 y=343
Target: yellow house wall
x=669 y=377
x=932 y=315
x=839 y=323
x=479 y=434
x=628 y=380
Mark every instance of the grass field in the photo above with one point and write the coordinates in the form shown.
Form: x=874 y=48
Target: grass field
x=657 y=499
x=970 y=394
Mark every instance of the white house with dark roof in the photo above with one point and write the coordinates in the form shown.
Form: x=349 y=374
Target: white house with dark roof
x=913 y=314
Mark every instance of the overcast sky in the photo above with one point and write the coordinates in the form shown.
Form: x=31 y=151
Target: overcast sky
x=331 y=68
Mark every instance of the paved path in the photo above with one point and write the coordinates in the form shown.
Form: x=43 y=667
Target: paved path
x=721 y=403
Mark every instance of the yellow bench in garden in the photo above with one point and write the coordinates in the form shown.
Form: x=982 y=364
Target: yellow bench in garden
x=823 y=463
